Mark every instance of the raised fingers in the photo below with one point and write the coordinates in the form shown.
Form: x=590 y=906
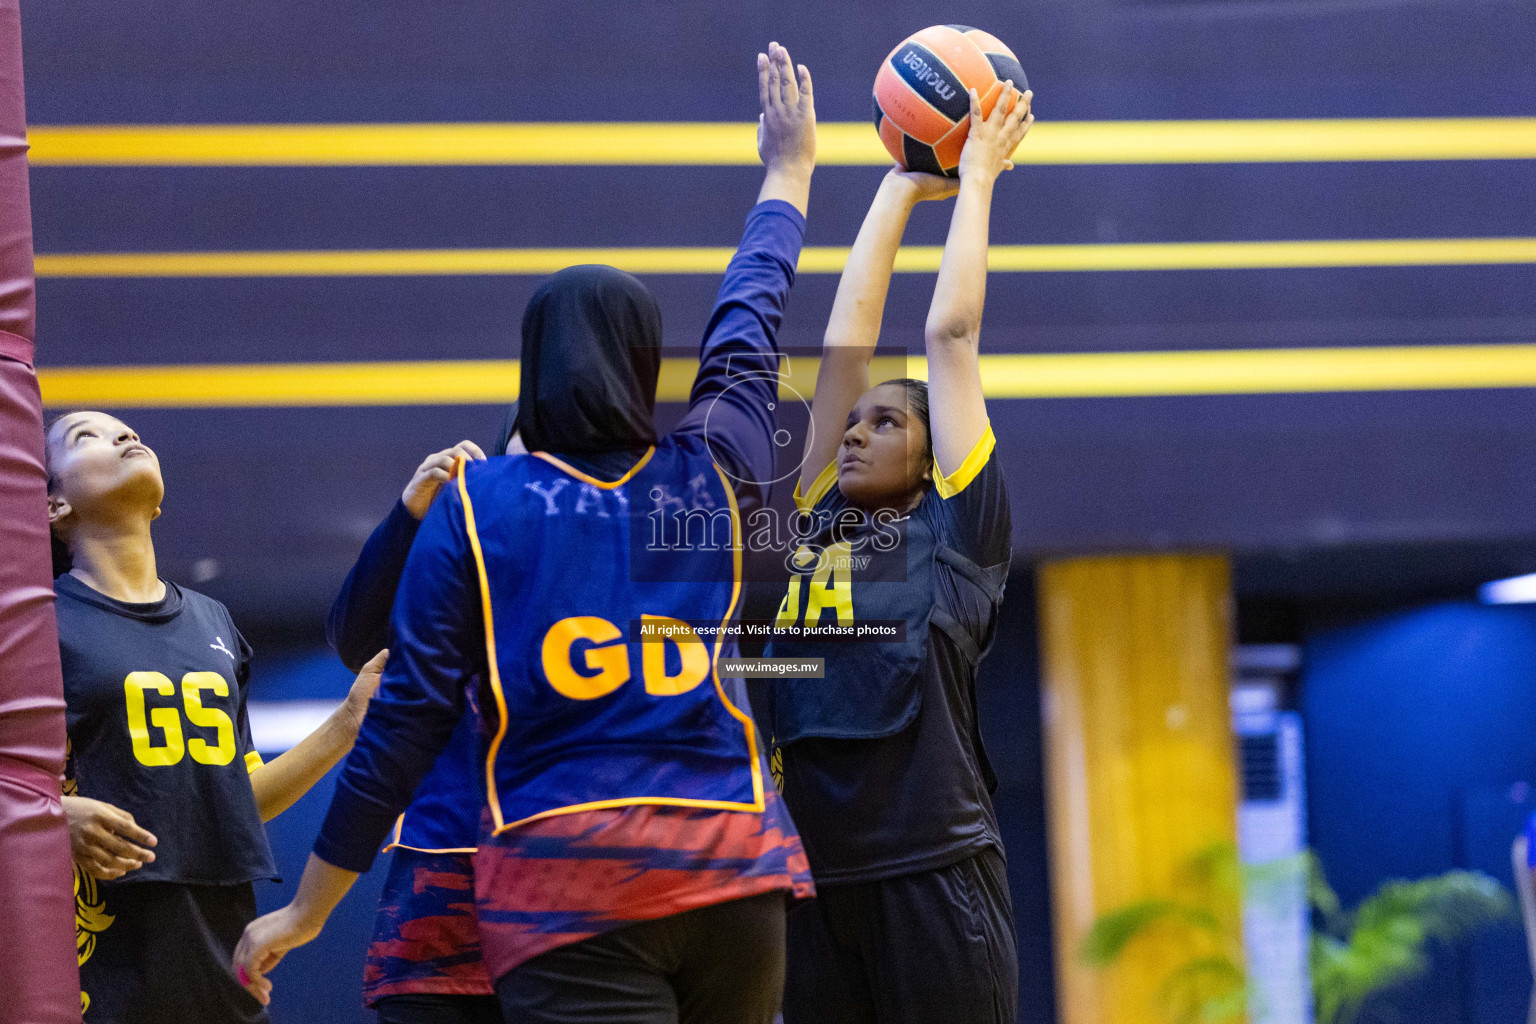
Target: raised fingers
x=976 y=115
x=764 y=70
x=805 y=86
x=1019 y=127
x=1020 y=109
x=789 y=93
x=772 y=97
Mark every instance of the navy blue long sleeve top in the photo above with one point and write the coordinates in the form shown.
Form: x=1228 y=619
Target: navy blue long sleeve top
x=358 y=625
x=436 y=631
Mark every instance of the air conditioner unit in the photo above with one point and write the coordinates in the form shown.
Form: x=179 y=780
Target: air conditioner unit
x=1272 y=836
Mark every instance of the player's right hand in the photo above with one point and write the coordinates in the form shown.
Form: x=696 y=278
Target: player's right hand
x=926 y=187
x=263 y=945
x=786 y=130
x=105 y=840
x=435 y=470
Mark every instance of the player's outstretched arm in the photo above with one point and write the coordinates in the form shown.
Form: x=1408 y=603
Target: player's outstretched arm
x=269 y=938
x=786 y=129
x=854 y=326
x=957 y=408
x=408 y=724
x=735 y=389
x=279 y=783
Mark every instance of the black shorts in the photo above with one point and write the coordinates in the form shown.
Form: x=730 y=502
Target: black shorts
x=721 y=964
x=933 y=946
x=433 y=1008
x=163 y=953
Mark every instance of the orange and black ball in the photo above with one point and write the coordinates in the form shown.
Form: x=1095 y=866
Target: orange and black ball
x=922 y=102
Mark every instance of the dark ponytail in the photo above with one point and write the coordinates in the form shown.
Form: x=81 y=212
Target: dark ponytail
x=63 y=561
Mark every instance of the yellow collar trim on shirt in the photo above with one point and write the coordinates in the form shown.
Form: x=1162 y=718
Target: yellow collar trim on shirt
x=824 y=482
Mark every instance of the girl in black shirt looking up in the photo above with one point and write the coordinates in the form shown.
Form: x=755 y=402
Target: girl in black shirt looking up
x=882 y=762
x=165 y=793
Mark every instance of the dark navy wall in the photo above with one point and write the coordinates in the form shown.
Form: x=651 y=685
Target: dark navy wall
x=602 y=60
x=1420 y=752
x=1256 y=473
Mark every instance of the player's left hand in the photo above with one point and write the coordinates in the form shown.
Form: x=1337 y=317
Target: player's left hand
x=265 y=942
x=993 y=139
x=435 y=470
x=363 y=689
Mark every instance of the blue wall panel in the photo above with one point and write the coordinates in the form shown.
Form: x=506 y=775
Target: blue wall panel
x=1412 y=720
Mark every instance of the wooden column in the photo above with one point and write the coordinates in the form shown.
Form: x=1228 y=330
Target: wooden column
x=1139 y=757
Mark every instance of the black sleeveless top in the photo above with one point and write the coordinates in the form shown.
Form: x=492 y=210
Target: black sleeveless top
x=882 y=761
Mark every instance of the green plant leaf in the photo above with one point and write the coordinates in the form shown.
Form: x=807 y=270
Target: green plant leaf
x=1447 y=907
x=1205 y=990
x=1114 y=931
x=1391 y=932
x=1321 y=895
x=1217 y=867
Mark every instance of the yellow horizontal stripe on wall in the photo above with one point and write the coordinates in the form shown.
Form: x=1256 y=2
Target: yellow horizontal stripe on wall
x=1379 y=252
x=448 y=382
x=1074 y=375
x=1258 y=371
x=724 y=143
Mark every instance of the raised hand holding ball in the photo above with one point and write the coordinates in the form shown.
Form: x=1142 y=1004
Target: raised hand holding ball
x=922 y=103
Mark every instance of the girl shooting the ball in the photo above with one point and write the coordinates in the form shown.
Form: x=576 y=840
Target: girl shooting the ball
x=882 y=761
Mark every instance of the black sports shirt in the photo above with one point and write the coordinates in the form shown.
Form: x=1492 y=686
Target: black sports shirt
x=883 y=766
x=155 y=708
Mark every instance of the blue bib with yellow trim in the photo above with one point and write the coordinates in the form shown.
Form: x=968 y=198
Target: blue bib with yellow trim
x=604 y=604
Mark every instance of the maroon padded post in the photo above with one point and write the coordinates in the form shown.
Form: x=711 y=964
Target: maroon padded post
x=39 y=978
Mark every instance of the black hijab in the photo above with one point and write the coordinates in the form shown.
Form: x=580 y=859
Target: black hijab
x=591 y=359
